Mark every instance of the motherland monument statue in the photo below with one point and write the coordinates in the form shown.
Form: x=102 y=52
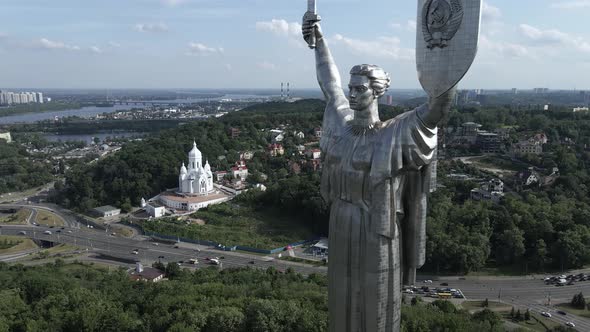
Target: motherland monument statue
x=377 y=174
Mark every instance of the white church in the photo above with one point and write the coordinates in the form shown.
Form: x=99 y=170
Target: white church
x=197 y=179
x=195 y=186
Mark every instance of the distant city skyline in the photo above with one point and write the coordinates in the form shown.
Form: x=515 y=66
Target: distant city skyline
x=196 y=44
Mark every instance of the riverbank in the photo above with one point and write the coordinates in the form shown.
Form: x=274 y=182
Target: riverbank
x=38 y=108
x=47 y=113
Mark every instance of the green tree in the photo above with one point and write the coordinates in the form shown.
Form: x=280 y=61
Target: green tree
x=230 y=319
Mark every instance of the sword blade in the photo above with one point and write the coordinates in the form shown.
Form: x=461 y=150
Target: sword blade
x=311 y=6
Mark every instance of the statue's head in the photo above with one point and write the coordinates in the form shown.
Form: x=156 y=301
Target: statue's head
x=367 y=84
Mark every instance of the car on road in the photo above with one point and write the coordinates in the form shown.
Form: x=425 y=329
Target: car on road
x=135 y=252
x=251 y=262
x=444 y=284
x=546 y=314
x=427 y=281
x=47 y=232
x=570 y=324
x=70 y=232
x=176 y=246
x=22 y=233
x=194 y=261
x=561 y=312
x=58 y=231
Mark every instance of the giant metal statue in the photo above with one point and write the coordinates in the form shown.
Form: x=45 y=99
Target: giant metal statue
x=377 y=174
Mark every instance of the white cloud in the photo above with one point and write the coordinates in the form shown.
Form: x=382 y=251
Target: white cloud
x=571 y=4
x=266 y=65
x=489 y=12
x=280 y=27
x=228 y=67
x=543 y=36
x=114 y=44
x=150 y=27
x=95 y=49
x=47 y=44
x=503 y=49
x=173 y=2
x=540 y=37
x=381 y=47
x=410 y=25
x=199 y=49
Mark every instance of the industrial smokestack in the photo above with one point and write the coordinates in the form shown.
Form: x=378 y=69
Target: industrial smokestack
x=282 y=91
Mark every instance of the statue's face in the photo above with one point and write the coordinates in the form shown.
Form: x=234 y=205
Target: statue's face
x=360 y=94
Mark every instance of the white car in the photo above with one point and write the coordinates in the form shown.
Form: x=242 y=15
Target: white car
x=570 y=324
x=47 y=232
x=135 y=252
x=546 y=314
x=427 y=281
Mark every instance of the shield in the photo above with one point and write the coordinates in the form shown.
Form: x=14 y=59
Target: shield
x=446 y=42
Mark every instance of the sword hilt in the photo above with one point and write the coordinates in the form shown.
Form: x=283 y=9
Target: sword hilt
x=312 y=17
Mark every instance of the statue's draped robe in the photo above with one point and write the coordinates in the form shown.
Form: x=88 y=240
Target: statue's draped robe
x=376 y=183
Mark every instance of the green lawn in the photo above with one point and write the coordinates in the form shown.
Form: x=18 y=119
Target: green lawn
x=536 y=323
x=47 y=218
x=497 y=162
x=305 y=261
x=18 y=218
x=121 y=231
x=232 y=225
x=492 y=305
x=18 y=244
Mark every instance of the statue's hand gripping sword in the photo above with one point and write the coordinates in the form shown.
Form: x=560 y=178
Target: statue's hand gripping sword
x=312 y=16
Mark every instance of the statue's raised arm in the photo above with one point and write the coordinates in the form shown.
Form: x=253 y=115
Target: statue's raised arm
x=337 y=108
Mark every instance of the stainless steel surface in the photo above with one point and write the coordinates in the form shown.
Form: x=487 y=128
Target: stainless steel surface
x=311 y=15
x=446 y=42
x=376 y=176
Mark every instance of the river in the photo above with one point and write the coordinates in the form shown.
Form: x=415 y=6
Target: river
x=84 y=112
x=89 y=138
x=91 y=111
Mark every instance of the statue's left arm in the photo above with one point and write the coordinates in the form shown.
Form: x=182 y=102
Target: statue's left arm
x=437 y=109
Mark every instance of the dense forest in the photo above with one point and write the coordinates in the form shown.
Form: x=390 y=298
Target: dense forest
x=532 y=230
x=18 y=171
x=77 y=297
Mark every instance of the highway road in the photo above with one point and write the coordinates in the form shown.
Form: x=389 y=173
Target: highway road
x=148 y=252
x=522 y=293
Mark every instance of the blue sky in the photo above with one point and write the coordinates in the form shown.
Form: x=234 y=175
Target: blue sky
x=257 y=43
